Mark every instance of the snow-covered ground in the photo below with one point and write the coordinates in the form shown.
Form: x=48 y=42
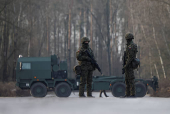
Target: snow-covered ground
x=75 y=105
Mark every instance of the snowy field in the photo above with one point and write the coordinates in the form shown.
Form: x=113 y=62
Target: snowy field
x=75 y=105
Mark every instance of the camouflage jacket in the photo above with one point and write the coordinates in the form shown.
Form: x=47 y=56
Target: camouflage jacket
x=131 y=51
x=83 y=59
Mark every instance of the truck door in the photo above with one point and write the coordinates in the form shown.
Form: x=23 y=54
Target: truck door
x=25 y=71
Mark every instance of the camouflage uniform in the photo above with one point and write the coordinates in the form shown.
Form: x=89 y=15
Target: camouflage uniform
x=131 y=51
x=86 y=67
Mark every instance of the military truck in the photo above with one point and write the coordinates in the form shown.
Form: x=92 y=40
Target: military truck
x=39 y=74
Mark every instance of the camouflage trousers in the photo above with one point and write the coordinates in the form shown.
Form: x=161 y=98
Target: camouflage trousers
x=85 y=78
x=129 y=81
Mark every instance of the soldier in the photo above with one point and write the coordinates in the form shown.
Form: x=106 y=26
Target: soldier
x=86 y=67
x=131 y=51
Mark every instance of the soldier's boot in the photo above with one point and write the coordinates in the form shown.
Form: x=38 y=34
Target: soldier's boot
x=125 y=96
x=132 y=96
x=89 y=94
x=81 y=91
x=132 y=89
x=82 y=95
x=127 y=93
x=89 y=91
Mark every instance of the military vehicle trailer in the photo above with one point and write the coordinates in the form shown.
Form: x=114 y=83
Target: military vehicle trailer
x=42 y=73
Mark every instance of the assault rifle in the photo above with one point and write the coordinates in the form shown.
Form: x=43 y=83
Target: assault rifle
x=124 y=62
x=94 y=62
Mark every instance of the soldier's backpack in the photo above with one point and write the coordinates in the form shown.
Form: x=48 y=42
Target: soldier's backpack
x=136 y=63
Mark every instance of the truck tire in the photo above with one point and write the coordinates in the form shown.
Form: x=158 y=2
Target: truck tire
x=118 y=89
x=62 y=90
x=38 y=90
x=140 y=89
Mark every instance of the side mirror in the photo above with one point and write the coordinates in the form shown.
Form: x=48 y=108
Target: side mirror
x=20 y=66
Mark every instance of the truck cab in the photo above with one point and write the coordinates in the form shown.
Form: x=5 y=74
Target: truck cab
x=40 y=73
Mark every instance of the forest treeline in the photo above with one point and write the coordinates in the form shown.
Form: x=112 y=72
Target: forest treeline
x=35 y=28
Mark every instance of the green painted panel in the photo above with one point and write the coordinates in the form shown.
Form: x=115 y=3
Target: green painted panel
x=56 y=68
x=41 y=74
x=44 y=65
x=24 y=74
x=63 y=65
x=101 y=85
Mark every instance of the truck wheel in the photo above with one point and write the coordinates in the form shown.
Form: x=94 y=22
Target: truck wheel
x=140 y=89
x=118 y=89
x=62 y=90
x=38 y=90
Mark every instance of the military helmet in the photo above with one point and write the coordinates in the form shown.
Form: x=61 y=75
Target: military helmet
x=85 y=39
x=129 y=36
